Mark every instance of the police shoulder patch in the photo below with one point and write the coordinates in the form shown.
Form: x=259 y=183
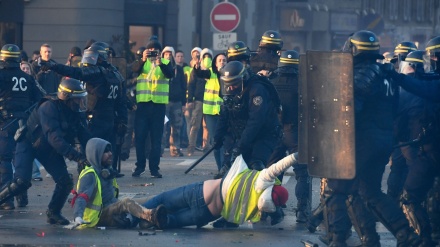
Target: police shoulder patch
x=257 y=100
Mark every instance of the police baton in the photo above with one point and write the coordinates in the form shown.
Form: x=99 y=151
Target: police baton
x=199 y=160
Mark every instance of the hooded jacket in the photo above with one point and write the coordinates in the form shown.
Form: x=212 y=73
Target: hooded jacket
x=94 y=150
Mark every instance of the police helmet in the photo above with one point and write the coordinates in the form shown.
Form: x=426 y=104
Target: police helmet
x=11 y=53
x=416 y=60
x=363 y=43
x=289 y=58
x=140 y=52
x=232 y=76
x=433 y=51
x=92 y=54
x=272 y=40
x=402 y=50
x=103 y=49
x=73 y=94
x=238 y=51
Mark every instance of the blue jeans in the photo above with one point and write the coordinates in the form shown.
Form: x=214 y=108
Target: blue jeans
x=185 y=205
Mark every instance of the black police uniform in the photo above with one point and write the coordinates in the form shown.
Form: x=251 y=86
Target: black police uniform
x=52 y=130
x=251 y=119
x=286 y=84
x=106 y=99
x=18 y=92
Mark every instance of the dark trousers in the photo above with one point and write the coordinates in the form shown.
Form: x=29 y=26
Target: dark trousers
x=373 y=149
x=149 y=120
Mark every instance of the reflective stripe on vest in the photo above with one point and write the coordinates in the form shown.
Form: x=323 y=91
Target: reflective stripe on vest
x=93 y=208
x=211 y=97
x=152 y=85
x=241 y=202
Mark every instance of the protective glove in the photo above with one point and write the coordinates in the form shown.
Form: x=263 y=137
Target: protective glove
x=121 y=129
x=235 y=153
x=47 y=65
x=83 y=162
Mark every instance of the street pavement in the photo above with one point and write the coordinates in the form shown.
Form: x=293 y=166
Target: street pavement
x=27 y=226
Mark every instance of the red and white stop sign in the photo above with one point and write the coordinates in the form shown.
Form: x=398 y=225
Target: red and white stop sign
x=225 y=17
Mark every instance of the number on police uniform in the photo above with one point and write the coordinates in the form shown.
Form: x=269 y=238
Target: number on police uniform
x=18 y=86
x=113 y=92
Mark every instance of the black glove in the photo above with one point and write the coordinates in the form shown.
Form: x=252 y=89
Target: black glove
x=389 y=70
x=217 y=144
x=235 y=153
x=121 y=129
x=47 y=65
x=84 y=162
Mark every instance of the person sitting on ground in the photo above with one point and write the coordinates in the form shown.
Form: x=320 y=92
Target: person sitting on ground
x=96 y=200
x=242 y=195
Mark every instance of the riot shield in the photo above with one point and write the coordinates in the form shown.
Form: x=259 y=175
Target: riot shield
x=120 y=63
x=302 y=111
x=328 y=107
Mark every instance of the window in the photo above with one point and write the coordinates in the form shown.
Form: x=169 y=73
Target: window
x=10 y=33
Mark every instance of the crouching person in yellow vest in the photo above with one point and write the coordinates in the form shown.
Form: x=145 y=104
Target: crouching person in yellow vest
x=95 y=200
x=242 y=195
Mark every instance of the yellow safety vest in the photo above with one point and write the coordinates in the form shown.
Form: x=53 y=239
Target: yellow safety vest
x=211 y=97
x=152 y=85
x=94 y=208
x=241 y=202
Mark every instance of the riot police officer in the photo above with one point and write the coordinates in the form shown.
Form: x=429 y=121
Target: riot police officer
x=17 y=93
x=401 y=51
x=265 y=61
x=375 y=99
x=286 y=83
x=106 y=103
x=398 y=168
x=416 y=120
x=249 y=115
x=52 y=130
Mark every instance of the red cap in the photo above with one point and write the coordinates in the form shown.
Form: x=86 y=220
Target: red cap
x=279 y=195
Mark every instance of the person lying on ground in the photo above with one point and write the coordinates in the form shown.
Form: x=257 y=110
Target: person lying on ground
x=241 y=195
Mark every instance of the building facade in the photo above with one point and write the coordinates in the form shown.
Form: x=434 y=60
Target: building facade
x=183 y=24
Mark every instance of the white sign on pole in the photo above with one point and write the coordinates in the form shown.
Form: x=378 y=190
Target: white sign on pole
x=222 y=40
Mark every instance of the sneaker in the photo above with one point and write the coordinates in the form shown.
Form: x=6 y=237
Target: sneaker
x=37 y=179
x=137 y=172
x=199 y=149
x=156 y=174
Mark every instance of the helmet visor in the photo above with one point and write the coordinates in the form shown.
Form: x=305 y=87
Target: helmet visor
x=90 y=58
x=232 y=87
x=429 y=63
x=406 y=67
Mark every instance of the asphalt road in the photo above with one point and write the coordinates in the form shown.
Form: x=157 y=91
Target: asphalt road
x=27 y=226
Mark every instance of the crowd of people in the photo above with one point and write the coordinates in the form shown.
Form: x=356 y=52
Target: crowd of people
x=244 y=106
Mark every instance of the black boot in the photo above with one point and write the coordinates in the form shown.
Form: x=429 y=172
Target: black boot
x=55 y=218
x=22 y=199
x=406 y=237
x=59 y=198
x=302 y=210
